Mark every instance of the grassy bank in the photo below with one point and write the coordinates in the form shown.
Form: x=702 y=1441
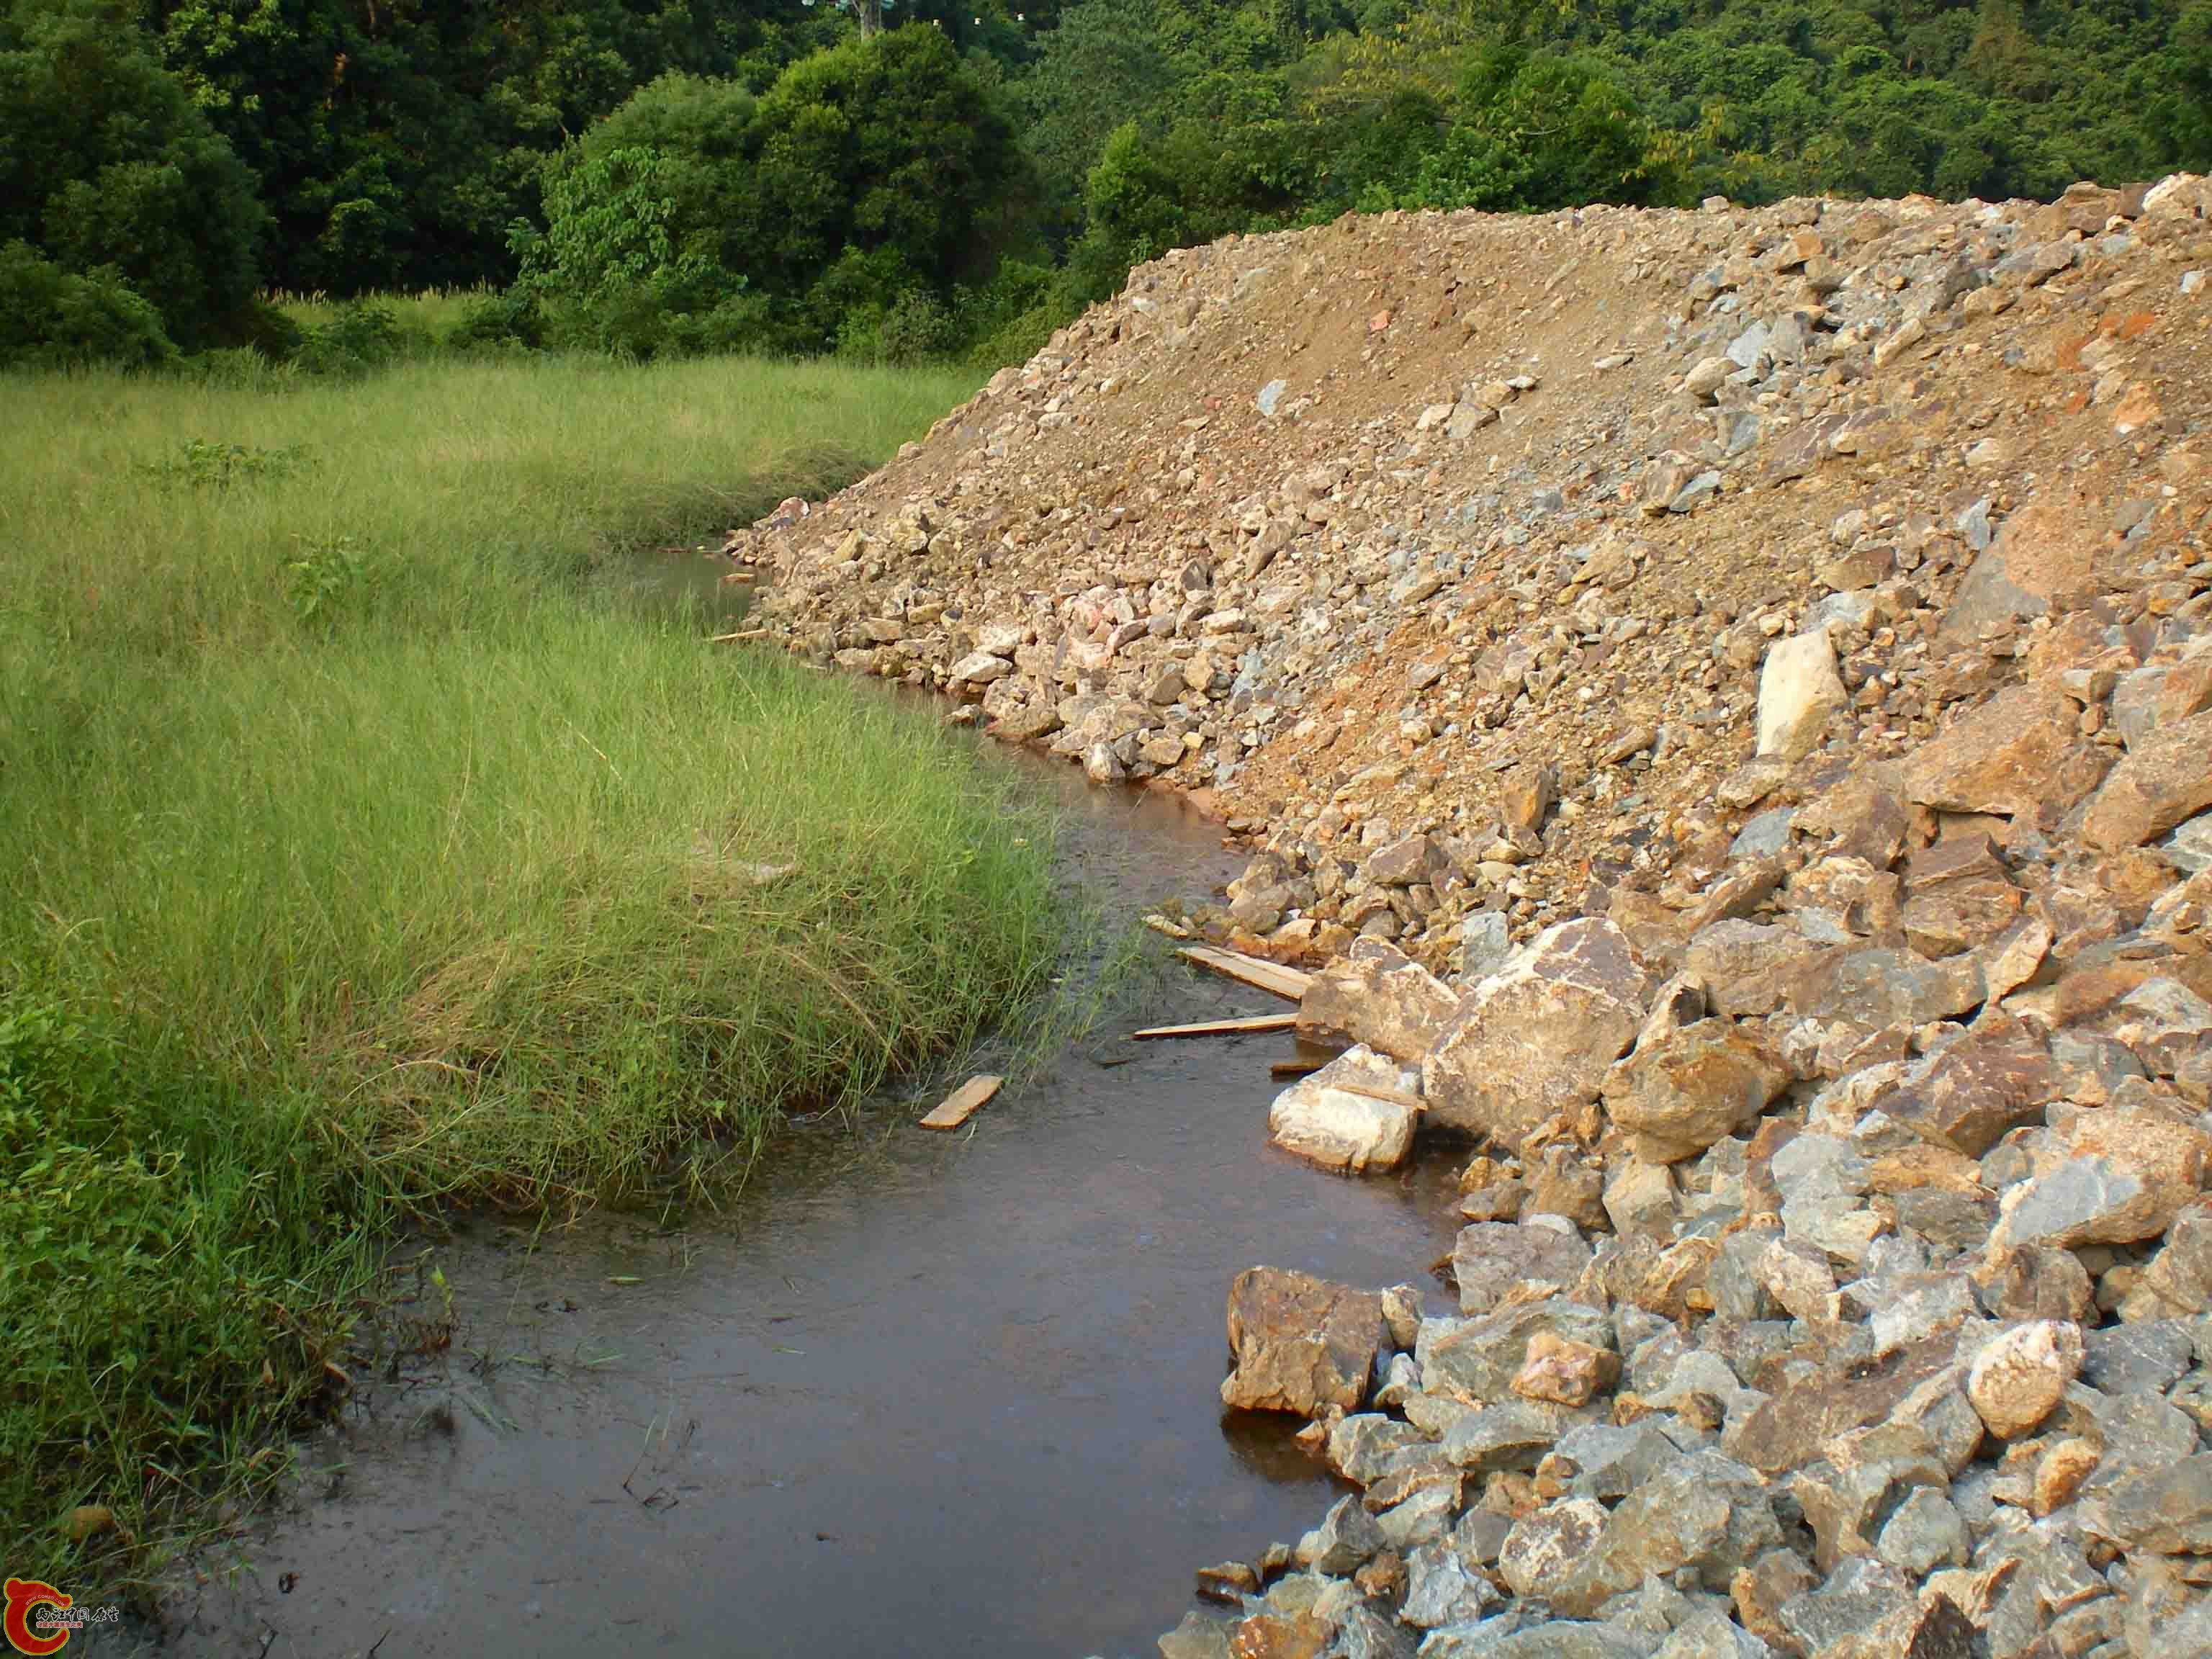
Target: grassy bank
x=356 y=848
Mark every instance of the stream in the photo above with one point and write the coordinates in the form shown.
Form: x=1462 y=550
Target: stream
x=910 y=1394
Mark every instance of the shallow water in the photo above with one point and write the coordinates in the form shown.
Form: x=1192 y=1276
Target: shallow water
x=912 y=1394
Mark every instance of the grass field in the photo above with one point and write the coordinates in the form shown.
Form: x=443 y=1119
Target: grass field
x=357 y=848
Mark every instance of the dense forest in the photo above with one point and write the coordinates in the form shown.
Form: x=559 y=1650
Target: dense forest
x=912 y=178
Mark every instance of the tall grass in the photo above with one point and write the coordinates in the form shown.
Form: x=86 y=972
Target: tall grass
x=356 y=849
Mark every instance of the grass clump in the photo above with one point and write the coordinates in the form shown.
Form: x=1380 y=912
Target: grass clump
x=356 y=851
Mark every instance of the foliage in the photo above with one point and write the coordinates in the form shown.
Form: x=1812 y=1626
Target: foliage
x=356 y=849
x=109 y=172
x=51 y=317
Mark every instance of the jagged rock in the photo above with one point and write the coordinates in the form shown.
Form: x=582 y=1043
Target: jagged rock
x=1197 y=1637
x=1378 y=995
x=2020 y=1376
x=1798 y=691
x=1706 y=1514
x=1355 y=1114
x=2015 y=754
x=1491 y=1259
x=2112 y=1176
x=1686 y=1087
x=1536 y=1036
x=1747 y=967
x=1564 y=1372
x=1300 y=1343
x=1544 y=1545
x=2162 y=780
x=1442 y=1589
x=1997 y=1078
x=1708 y=1634
x=1346 y=1536
x=1477 y=1359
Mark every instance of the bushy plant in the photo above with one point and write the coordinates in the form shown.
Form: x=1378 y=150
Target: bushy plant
x=109 y=171
x=51 y=317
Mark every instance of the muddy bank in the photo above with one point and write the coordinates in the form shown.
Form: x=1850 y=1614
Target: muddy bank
x=912 y=1394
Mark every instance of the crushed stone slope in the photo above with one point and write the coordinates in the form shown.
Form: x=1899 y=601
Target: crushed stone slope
x=1534 y=493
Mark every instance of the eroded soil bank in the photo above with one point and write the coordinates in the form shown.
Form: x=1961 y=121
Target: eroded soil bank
x=911 y=1394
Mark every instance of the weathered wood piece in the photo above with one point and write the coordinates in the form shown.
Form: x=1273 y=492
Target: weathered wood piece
x=963 y=1103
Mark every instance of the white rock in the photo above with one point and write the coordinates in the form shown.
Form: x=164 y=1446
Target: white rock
x=1337 y=1119
x=1798 y=690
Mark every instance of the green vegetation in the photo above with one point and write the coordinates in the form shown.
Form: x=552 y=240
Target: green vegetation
x=362 y=847
x=677 y=177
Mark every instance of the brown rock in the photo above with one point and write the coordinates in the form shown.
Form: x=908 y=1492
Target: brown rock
x=1376 y=994
x=1301 y=1344
x=1793 y=1428
x=1528 y=798
x=2021 y=1376
x=2013 y=755
x=2164 y=780
x=1998 y=1077
x=1564 y=1372
x=1687 y=1087
x=2060 y=1472
x=1535 y=1038
x=2044 y=559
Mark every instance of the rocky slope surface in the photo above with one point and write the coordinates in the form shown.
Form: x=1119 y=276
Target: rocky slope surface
x=1726 y=700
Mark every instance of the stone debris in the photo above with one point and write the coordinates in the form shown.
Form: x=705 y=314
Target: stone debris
x=1721 y=703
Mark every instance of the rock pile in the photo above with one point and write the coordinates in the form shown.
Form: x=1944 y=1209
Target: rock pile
x=1726 y=699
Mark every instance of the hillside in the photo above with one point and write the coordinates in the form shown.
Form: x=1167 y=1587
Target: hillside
x=1756 y=666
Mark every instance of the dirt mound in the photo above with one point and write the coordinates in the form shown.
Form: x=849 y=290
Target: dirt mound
x=1399 y=526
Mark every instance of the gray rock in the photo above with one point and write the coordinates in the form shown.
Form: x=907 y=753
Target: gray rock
x=1705 y=1513
x=1476 y=1359
x=1925 y=1532
x=1490 y=1258
x=1764 y=836
x=1603 y=1462
x=1442 y=1588
x=1346 y=1537
x=1197 y=1637
x=1858 y=1596
x=1512 y=1435
x=2145 y=1358
x=1271 y=395
x=1556 y=1638
x=1710 y=1634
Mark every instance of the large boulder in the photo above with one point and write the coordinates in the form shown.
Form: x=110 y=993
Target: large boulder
x=1376 y=994
x=1687 y=1086
x=1494 y=1259
x=2165 y=779
x=1534 y=1038
x=2015 y=754
x=1301 y=1344
x=1998 y=1077
x=1357 y=1113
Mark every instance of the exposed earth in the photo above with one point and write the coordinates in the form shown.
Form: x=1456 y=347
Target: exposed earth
x=1724 y=702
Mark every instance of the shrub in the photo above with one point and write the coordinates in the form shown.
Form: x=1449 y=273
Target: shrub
x=108 y=169
x=51 y=317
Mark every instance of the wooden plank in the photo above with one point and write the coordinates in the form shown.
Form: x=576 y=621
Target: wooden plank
x=1219 y=1027
x=1377 y=1091
x=963 y=1103
x=1298 y=1067
x=1289 y=983
x=742 y=634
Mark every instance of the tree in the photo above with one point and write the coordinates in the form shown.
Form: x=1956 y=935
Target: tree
x=108 y=172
